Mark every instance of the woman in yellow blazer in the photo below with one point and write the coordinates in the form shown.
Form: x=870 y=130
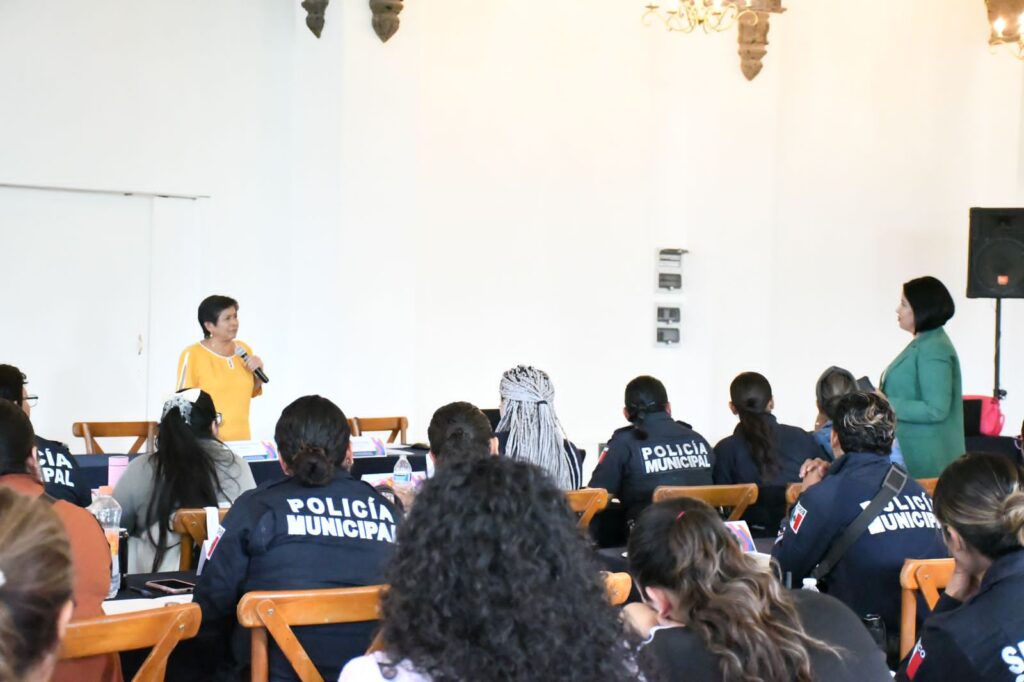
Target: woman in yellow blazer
x=213 y=366
x=923 y=382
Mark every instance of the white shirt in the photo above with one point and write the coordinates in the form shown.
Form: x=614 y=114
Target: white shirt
x=367 y=669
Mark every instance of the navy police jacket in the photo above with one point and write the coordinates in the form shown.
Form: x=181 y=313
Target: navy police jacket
x=982 y=639
x=62 y=477
x=283 y=535
x=867 y=577
x=734 y=463
x=672 y=454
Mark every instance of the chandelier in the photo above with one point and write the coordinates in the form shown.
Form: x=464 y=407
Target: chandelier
x=710 y=15
x=1006 y=18
x=1014 y=42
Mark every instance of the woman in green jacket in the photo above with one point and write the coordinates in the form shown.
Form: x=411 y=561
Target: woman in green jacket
x=923 y=382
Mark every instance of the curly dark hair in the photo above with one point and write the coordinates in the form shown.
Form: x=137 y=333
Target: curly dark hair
x=493 y=581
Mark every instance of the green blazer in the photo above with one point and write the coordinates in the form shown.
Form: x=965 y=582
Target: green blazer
x=923 y=386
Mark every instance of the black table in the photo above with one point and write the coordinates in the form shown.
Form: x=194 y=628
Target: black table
x=94 y=467
x=997 y=445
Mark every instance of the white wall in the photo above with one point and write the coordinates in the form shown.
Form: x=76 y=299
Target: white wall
x=402 y=222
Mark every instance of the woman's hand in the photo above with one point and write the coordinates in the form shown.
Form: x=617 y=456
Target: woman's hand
x=812 y=471
x=640 y=617
x=962 y=584
x=254 y=362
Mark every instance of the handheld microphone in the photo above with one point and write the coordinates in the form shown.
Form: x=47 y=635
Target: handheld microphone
x=240 y=352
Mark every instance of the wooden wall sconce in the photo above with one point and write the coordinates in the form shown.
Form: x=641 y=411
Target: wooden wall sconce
x=385 y=16
x=753 y=36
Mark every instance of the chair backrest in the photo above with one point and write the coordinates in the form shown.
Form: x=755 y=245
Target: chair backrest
x=276 y=612
x=144 y=432
x=586 y=502
x=159 y=628
x=929 y=485
x=618 y=586
x=396 y=425
x=738 y=497
x=190 y=524
x=926 y=576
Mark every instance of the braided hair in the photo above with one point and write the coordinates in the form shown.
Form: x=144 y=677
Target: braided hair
x=534 y=432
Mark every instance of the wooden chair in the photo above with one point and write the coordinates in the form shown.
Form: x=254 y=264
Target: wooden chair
x=739 y=496
x=396 y=425
x=618 y=586
x=159 y=628
x=144 y=432
x=275 y=612
x=190 y=524
x=929 y=485
x=926 y=576
x=587 y=502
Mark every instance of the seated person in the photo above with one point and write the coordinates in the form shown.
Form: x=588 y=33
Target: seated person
x=190 y=469
x=833 y=383
x=458 y=432
x=529 y=430
x=492 y=580
x=761 y=451
x=711 y=613
x=318 y=527
x=58 y=467
x=35 y=589
x=90 y=553
x=867 y=577
x=976 y=632
x=652 y=451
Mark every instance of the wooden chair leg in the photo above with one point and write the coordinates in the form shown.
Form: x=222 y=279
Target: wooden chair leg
x=259 y=666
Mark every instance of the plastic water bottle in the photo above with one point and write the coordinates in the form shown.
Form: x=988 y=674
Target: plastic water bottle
x=876 y=627
x=402 y=475
x=810 y=584
x=108 y=512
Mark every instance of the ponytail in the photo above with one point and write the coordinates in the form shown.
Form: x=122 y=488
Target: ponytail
x=645 y=395
x=185 y=475
x=751 y=394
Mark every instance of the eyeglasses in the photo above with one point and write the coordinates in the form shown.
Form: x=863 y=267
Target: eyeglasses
x=33 y=399
x=1018 y=442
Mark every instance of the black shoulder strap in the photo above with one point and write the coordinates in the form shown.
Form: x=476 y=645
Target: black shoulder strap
x=891 y=487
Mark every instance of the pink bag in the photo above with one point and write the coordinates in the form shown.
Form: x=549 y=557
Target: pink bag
x=992 y=417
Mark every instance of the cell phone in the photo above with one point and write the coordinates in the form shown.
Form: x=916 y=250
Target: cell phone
x=864 y=384
x=172 y=586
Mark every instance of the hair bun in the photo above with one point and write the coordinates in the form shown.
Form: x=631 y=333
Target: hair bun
x=1013 y=515
x=312 y=465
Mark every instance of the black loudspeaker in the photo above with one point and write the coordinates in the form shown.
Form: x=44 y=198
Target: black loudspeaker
x=995 y=262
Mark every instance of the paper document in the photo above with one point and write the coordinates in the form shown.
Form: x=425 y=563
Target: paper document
x=113 y=607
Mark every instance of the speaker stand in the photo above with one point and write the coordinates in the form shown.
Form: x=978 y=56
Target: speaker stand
x=997 y=392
